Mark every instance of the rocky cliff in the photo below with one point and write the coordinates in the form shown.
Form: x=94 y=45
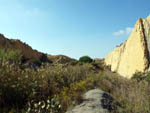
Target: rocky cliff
x=134 y=54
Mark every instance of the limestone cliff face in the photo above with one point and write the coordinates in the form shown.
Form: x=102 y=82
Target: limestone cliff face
x=132 y=55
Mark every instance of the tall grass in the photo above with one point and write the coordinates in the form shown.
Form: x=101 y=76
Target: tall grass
x=131 y=96
x=54 y=88
x=22 y=89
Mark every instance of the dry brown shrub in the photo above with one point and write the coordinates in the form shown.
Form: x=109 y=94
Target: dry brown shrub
x=132 y=96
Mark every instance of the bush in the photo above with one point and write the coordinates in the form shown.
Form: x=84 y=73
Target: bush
x=21 y=90
x=131 y=96
x=10 y=55
x=139 y=76
x=55 y=88
x=85 y=59
x=95 y=64
x=74 y=63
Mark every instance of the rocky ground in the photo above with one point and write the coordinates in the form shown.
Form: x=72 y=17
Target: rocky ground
x=94 y=101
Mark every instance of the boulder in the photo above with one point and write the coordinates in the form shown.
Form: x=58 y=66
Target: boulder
x=94 y=101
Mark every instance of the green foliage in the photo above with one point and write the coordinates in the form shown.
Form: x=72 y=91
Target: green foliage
x=85 y=59
x=55 y=88
x=74 y=63
x=141 y=76
x=21 y=90
x=95 y=64
x=44 y=106
x=8 y=54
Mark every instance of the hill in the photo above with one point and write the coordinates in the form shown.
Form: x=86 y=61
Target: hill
x=29 y=55
x=60 y=59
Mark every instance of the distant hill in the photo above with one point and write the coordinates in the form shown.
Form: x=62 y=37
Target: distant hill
x=60 y=59
x=30 y=55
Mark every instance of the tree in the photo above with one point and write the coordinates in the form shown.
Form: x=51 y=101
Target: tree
x=85 y=59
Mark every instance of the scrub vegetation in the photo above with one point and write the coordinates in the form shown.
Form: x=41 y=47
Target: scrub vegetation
x=53 y=88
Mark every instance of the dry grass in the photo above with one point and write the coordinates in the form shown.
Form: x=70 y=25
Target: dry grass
x=19 y=87
x=132 y=96
x=54 y=88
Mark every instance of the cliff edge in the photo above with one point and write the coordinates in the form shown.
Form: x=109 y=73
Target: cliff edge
x=134 y=54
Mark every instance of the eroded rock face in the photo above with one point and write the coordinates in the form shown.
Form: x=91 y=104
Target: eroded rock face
x=132 y=55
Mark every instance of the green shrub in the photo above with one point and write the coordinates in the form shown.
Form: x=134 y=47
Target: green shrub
x=95 y=64
x=74 y=63
x=139 y=76
x=85 y=59
x=43 y=106
x=21 y=90
x=8 y=54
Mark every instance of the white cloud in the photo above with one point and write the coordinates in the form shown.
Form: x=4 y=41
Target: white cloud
x=126 y=31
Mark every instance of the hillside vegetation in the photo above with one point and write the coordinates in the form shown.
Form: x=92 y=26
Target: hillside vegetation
x=53 y=88
x=28 y=54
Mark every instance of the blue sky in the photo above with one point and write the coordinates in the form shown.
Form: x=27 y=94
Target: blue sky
x=71 y=27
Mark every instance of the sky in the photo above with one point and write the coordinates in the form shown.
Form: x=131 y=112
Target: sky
x=71 y=27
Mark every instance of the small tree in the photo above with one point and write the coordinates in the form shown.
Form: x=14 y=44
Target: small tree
x=85 y=59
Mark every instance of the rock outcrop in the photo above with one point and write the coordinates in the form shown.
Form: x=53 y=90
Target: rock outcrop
x=95 y=101
x=134 y=54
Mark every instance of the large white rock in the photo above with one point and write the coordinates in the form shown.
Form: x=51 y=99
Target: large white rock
x=132 y=55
